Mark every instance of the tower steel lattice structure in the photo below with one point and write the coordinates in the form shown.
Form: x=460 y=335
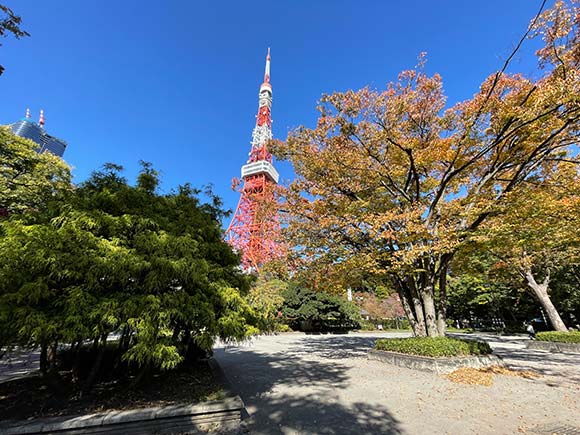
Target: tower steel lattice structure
x=254 y=228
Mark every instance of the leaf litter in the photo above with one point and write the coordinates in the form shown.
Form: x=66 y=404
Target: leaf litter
x=484 y=376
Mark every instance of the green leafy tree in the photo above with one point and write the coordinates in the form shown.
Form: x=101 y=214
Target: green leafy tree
x=565 y=292
x=266 y=298
x=537 y=234
x=28 y=180
x=307 y=309
x=487 y=298
x=115 y=257
x=485 y=286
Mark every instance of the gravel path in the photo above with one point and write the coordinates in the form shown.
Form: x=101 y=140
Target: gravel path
x=324 y=384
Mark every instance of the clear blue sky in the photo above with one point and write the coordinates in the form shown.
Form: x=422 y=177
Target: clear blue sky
x=175 y=82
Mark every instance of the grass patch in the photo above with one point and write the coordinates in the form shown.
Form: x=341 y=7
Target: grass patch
x=559 y=337
x=436 y=347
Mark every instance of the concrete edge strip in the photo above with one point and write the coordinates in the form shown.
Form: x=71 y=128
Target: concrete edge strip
x=227 y=406
x=226 y=384
x=438 y=365
x=553 y=346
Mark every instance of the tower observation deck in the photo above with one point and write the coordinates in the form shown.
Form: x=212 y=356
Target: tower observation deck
x=254 y=228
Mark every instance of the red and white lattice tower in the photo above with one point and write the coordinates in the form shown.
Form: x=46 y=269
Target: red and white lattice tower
x=254 y=229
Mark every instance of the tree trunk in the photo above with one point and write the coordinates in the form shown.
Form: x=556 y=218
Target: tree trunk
x=408 y=311
x=51 y=358
x=540 y=291
x=43 y=359
x=418 y=299
x=141 y=375
x=429 y=306
x=442 y=303
x=421 y=327
x=76 y=365
x=96 y=365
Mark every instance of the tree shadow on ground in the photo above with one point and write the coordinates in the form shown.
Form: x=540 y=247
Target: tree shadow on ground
x=335 y=347
x=287 y=393
x=304 y=415
x=489 y=338
x=558 y=368
x=560 y=365
x=263 y=371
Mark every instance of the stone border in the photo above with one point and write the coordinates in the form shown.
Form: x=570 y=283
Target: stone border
x=553 y=346
x=437 y=365
x=222 y=416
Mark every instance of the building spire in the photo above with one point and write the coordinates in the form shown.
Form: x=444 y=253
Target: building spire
x=27 y=113
x=41 y=120
x=267 y=71
x=263 y=130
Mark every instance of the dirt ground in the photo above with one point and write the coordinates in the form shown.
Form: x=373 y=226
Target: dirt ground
x=32 y=397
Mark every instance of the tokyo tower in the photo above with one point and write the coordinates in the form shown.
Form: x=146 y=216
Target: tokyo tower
x=254 y=229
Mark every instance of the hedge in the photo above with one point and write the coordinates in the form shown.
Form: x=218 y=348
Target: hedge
x=560 y=337
x=433 y=346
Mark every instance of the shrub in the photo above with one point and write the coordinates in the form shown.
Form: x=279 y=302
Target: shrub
x=433 y=346
x=308 y=310
x=283 y=327
x=367 y=325
x=395 y=323
x=372 y=324
x=265 y=298
x=111 y=257
x=560 y=337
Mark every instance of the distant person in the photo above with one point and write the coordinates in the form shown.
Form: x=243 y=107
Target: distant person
x=380 y=326
x=531 y=332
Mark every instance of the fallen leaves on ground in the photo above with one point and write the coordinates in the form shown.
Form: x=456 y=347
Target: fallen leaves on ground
x=484 y=376
x=470 y=376
x=526 y=374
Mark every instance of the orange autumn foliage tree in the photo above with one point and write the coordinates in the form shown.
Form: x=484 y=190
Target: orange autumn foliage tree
x=538 y=232
x=392 y=183
x=379 y=308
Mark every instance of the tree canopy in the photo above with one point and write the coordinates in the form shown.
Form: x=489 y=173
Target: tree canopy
x=28 y=180
x=306 y=309
x=393 y=183
x=10 y=25
x=109 y=258
x=537 y=234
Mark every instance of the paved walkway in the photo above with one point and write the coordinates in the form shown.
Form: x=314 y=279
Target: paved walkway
x=18 y=363
x=324 y=384
x=556 y=368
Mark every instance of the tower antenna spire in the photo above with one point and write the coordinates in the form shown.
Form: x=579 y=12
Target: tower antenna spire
x=267 y=70
x=27 y=113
